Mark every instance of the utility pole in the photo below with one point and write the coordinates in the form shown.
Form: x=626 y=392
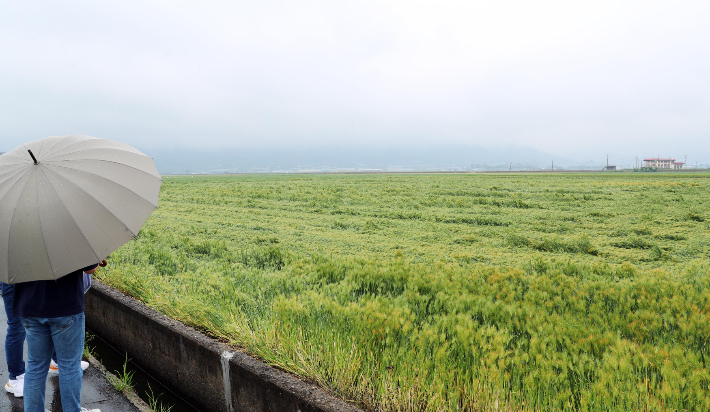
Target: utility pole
x=553 y=165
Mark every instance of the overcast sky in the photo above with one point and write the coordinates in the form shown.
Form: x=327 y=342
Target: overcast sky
x=572 y=78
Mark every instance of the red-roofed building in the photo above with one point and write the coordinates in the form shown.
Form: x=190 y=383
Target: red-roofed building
x=663 y=163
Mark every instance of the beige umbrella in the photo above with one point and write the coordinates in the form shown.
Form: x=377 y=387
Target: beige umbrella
x=67 y=202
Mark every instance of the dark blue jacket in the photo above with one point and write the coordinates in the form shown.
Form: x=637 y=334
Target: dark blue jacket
x=51 y=298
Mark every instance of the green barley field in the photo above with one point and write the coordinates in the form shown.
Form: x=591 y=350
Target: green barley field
x=445 y=292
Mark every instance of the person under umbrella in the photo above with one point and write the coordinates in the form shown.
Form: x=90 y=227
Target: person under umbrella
x=52 y=313
x=15 y=341
x=66 y=202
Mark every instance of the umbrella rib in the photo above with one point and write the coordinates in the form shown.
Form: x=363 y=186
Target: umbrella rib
x=62 y=153
x=10 y=168
x=112 y=214
x=75 y=222
x=39 y=152
x=10 y=154
x=14 y=209
x=56 y=163
x=42 y=231
x=49 y=149
x=109 y=161
x=65 y=147
x=15 y=172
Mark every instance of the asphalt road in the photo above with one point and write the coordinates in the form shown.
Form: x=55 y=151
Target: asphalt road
x=96 y=391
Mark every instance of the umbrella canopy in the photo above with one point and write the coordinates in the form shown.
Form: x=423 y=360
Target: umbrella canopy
x=67 y=202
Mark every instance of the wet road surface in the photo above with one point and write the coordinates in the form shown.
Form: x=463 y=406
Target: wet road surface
x=96 y=392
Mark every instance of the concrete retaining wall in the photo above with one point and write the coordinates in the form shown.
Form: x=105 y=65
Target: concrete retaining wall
x=199 y=368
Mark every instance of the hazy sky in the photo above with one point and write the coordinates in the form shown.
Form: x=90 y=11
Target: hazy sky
x=572 y=78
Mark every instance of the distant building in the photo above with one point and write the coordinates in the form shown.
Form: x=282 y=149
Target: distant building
x=610 y=168
x=662 y=163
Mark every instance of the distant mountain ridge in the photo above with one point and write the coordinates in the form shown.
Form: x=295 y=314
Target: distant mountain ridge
x=344 y=158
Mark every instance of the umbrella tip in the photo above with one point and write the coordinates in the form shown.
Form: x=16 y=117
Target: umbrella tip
x=33 y=156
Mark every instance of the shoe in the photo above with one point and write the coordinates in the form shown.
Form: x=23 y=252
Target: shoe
x=54 y=368
x=90 y=410
x=16 y=386
x=10 y=386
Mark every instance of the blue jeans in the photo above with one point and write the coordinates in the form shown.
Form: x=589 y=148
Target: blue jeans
x=66 y=336
x=15 y=339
